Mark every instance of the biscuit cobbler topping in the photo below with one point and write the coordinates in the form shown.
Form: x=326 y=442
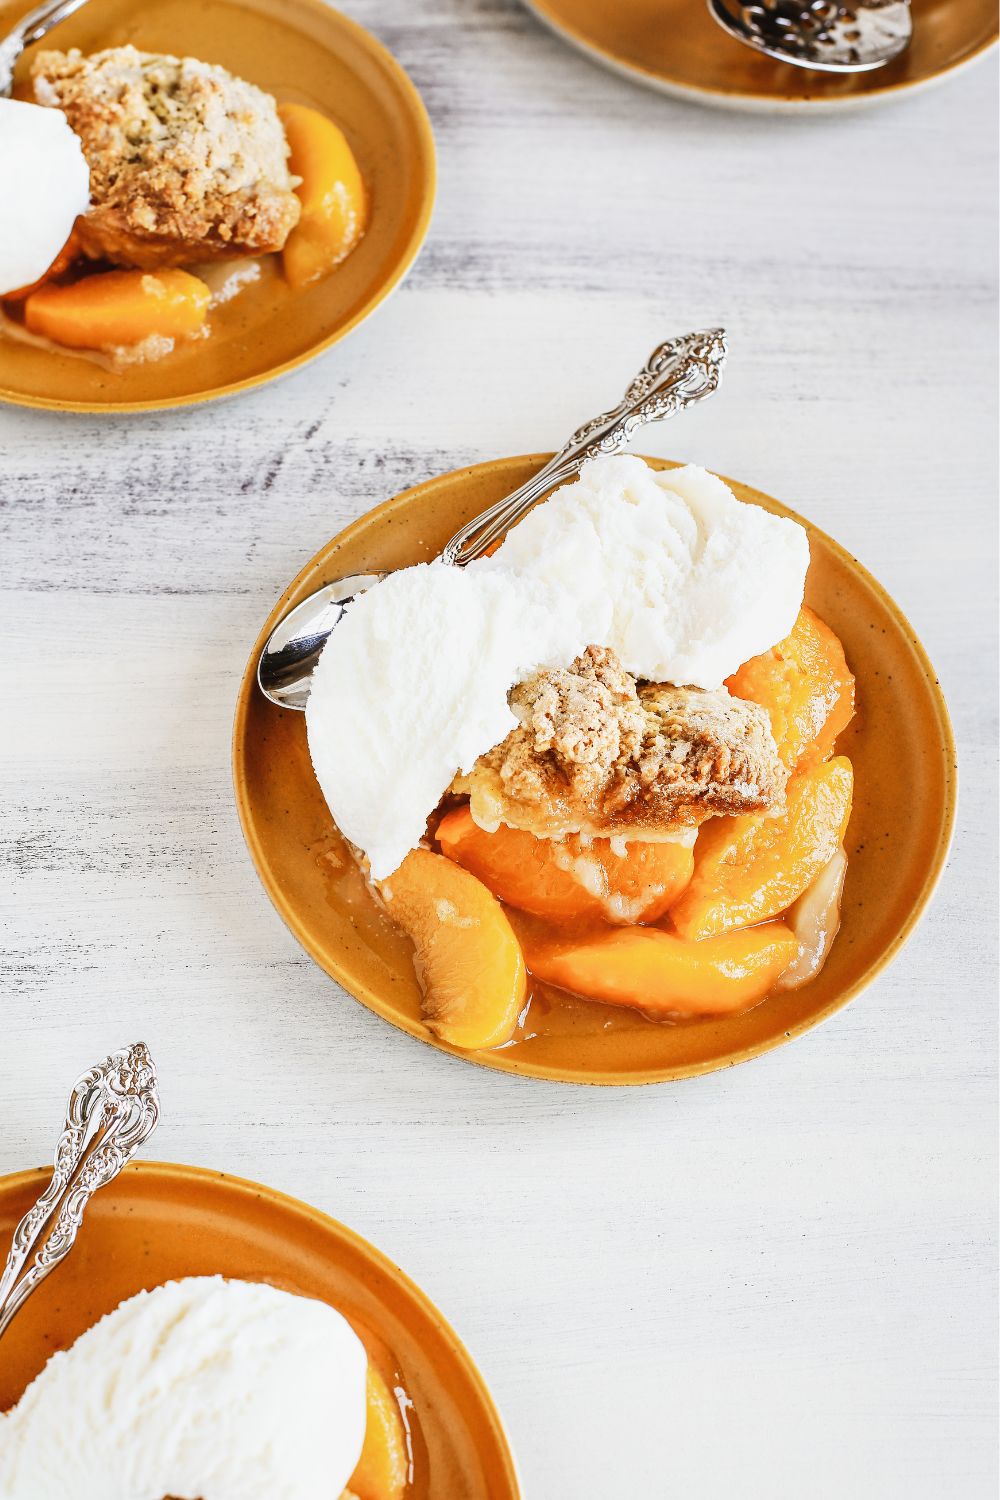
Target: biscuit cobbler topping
x=595 y=752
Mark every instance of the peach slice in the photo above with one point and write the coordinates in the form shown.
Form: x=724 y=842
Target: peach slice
x=806 y=686
x=119 y=307
x=658 y=973
x=569 y=880
x=751 y=867
x=467 y=959
x=334 y=202
x=815 y=921
x=383 y=1469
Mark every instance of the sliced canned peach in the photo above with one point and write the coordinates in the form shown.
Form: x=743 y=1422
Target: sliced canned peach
x=467 y=959
x=331 y=191
x=750 y=868
x=118 y=307
x=656 y=972
x=815 y=920
x=569 y=879
x=806 y=686
x=383 y=1469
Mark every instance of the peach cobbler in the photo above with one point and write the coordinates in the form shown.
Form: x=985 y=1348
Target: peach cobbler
x=194 y=176
x=661 y=825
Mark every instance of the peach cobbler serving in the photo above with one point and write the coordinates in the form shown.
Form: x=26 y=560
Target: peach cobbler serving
x=601 y=762
x=147 y=189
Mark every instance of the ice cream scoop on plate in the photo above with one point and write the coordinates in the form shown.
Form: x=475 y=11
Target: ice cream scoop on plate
x=203 y=1386
x=45 y=185
x=678 y=373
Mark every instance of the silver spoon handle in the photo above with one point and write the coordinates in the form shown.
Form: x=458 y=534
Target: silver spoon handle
x=678 y=373
x=38 y=22
x=31 y=28
x=112 y=1110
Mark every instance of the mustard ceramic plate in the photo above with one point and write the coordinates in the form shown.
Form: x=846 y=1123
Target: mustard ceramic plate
x=900 y=743
x=303 y=52
x=157 y=1222
x=676 y=47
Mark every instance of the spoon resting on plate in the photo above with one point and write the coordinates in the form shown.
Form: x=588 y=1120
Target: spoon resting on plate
x=824 y=35
x=112 y=1111
x=678 y=373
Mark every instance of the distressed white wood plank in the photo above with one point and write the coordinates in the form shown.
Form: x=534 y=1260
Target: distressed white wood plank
x=773 y=1282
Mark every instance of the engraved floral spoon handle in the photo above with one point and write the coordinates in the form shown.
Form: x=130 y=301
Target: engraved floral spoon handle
x=112 y=1110
x=678 y=373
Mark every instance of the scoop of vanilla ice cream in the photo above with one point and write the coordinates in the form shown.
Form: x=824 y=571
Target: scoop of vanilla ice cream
x=412 y=687
x=203 y=1389
x=681 y=579
x=44 y=186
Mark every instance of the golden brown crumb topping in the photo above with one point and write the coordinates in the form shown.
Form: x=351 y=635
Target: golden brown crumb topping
x=596 y=753
x=587 y=714
x=186 y=162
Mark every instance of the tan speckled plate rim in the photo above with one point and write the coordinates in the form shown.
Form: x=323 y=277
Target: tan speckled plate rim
x=733 y=99
x=176 y=1174
x=502 y=1061
x=410 y=95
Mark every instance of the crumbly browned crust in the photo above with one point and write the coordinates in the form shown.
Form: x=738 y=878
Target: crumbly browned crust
x=596 y=753
x=187 y=163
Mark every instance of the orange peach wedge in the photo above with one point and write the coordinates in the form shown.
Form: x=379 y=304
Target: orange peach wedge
x=467 y=959
x=568 y=880
x=750 y=868
x=331 y=191
x=657 y=973
x=383 y=1469
x=118 y=307
x=806 y=686
x=815 y=920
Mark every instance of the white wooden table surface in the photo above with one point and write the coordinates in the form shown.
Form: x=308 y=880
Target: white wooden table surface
x=773 y=1282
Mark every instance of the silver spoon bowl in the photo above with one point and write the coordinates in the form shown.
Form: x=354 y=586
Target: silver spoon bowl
x=823 y=35
x=677 y=374
x=31 y=28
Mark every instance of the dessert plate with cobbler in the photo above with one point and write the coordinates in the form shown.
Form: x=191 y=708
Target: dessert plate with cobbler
x=659 y=784
x=231 y=187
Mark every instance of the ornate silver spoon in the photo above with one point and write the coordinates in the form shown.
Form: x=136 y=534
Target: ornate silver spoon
x=824 y=35
x=678 y=373
x=31 y=28
x=112 y=1110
